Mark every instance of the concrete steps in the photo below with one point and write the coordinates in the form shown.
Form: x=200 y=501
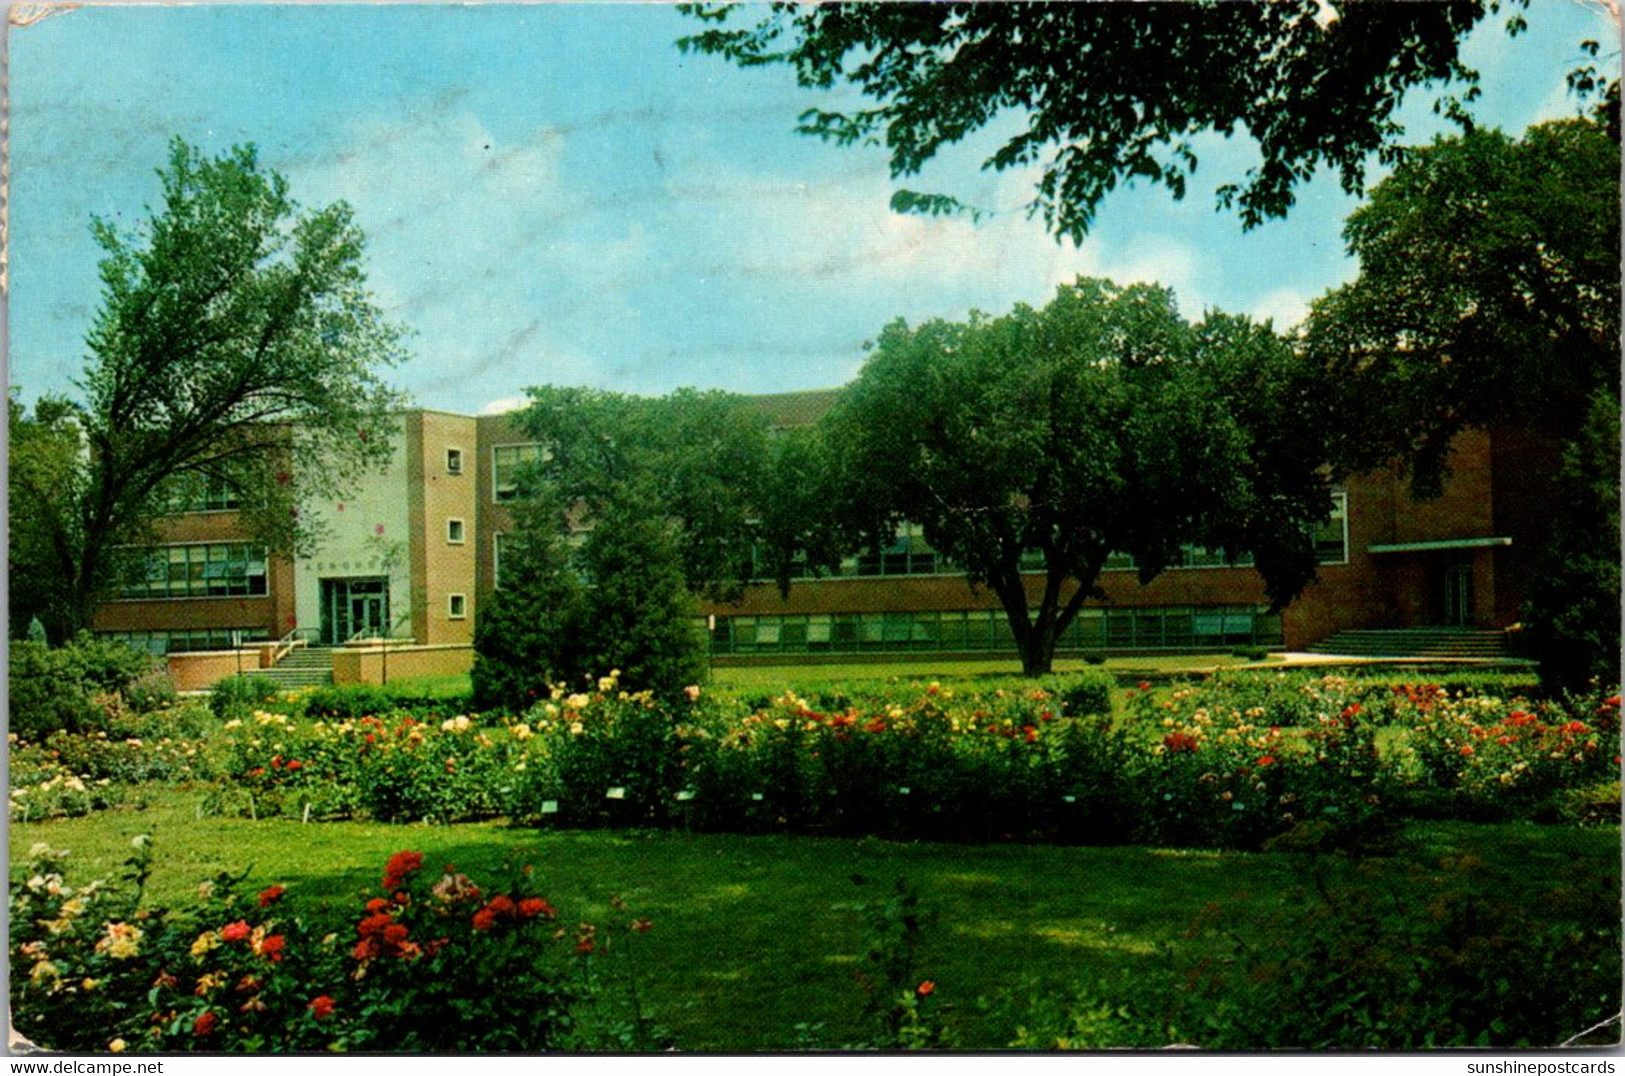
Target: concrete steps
x=1426 y=642
x=305 y=666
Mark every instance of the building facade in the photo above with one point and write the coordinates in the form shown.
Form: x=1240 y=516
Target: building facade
x=410 y=553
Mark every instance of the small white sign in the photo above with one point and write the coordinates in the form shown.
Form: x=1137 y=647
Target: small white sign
x=684 y=796
x=756 y=796
x=616 y=793
x=550 y=806
x=902 y=790
x=1069 y=799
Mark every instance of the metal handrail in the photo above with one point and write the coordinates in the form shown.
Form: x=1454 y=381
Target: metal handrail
x=286 y=645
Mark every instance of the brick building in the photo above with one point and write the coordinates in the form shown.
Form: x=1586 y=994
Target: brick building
x=411 y=552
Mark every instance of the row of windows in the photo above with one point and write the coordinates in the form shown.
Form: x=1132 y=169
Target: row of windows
x=205 y=570
x=159 y=643
x=1146 y=628
x=911 y=554
x=210 y=495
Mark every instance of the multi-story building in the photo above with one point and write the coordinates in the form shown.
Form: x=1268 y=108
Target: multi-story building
x=410 y=552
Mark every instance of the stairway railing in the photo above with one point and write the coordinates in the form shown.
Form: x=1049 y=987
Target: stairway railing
x=286 y=645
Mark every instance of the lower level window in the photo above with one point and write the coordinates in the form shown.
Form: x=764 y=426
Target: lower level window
x=1143 y=628
x=160 y=643
x=457 y=606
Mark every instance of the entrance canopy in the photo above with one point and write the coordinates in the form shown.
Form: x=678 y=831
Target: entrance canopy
x=1443 y=545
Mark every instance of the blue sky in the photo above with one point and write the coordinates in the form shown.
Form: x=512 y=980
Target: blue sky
x=554 y=194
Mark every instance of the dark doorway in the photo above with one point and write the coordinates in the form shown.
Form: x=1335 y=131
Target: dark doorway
x=1457 y=591
x=352 y=607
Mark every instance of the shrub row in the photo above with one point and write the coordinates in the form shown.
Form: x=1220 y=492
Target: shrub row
x=1192 y=767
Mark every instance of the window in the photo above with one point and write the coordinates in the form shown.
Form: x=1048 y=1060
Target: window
x=507 y=465
x=457 y=606
x=454 y=461
x=208 y=494
x=454 y=531
x=1332 y=535
x=218 y=570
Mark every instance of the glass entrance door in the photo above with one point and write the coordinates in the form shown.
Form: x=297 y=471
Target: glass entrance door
x=1458 y=592
x=352 y=607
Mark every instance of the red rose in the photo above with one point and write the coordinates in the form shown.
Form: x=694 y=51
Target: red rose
x=400 y=865
x=1176 y=742
x=531 y=907
x=234 y=932
x=924 y=989
x=204 y=1024
x=373 y=924
x=272 y=947
x=271 y=896
x=321 y=1008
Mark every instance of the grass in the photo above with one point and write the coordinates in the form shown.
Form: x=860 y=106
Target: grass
x=929 y=668
x=921 y=668
x=755 y=935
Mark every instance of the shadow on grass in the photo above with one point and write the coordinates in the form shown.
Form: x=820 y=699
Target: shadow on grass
x=754 y=935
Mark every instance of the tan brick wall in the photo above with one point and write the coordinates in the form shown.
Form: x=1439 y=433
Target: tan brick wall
x=203 y=669
x=440 y=567
x=365 y=665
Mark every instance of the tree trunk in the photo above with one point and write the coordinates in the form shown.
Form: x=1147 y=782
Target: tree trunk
x=1039 y=656
x=1034 y=644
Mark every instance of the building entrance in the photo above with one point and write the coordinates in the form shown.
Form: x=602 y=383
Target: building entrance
x=1457 y=586
x=352 y=607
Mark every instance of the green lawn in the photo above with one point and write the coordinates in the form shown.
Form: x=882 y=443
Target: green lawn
x=929 y=668
x=920 y=668
x=754 y=935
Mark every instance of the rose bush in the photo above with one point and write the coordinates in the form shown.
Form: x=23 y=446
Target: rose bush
x=413 y=968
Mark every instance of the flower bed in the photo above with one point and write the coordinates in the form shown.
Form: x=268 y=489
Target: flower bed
x=1234 y=762
x=408 y=968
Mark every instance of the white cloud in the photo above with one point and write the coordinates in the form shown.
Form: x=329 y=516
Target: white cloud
x=504 y=405
x=1284 y=306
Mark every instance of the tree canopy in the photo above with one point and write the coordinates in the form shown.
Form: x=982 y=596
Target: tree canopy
x=1489 y=297
x=1488 y=293
x=703 y=460
x=235 y=338
x=1101 y=424
x=634 y=506
x=1102 y=94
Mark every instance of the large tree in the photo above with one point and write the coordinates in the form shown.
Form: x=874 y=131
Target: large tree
x=1102 y=94
x=701 y=460
x=1488 y=293
x=235 y=341
x=1101 y=424
x=634 y=507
